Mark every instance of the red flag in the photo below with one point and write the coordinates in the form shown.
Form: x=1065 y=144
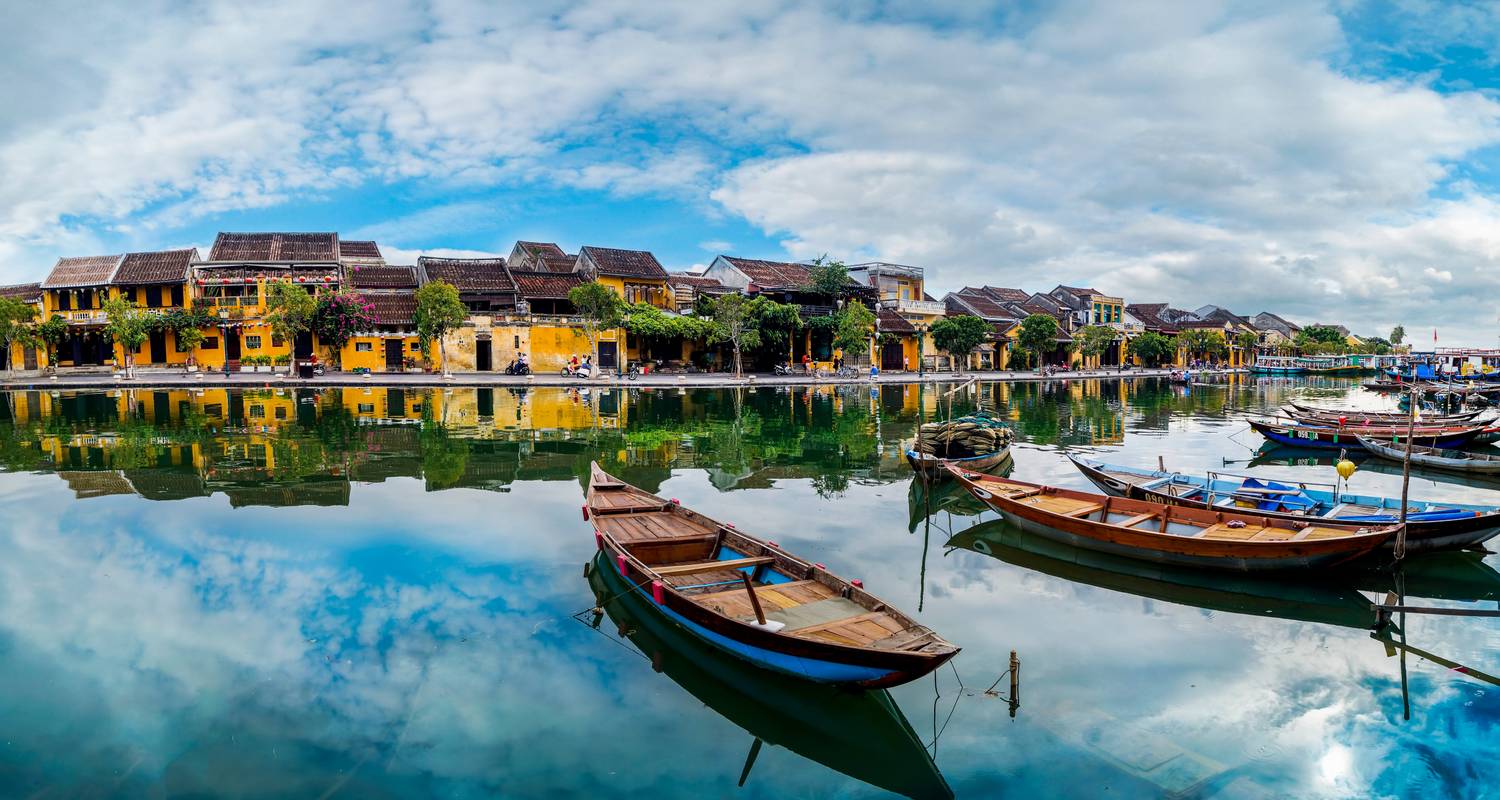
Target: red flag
x=1434 y=335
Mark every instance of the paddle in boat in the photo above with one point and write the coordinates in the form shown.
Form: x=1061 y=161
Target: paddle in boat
x=1332 y=436
x=751 y=599
x=1453 y=460
x=1431 y=526
x=1170 y=534
x=977 y=441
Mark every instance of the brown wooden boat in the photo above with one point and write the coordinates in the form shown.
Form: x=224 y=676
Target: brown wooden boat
x=1299 y=411
x=1298 y=434
x=1170 y=534
x=753 y=600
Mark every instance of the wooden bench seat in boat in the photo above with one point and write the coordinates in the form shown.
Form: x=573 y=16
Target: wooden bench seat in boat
x=809 y=610
x=710 y=566
x=656 y=525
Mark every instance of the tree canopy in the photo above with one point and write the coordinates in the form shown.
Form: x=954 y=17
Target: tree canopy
x=852 y=328
x=1152 y=348
x=648 y=321
x=1320 y=334
x=128 y=327
x=599 y=307
x=1094 y=340
x=439 y=312
x=289 y=310
x=16 y=318
x=1038 y=335
x=959 y=335
x=1398 y=335
x=828 y=278
x=1204 y=342
x=338 y=317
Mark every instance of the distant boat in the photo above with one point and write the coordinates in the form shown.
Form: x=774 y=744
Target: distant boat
x=1168 y=534
x=1327 y=436
x=754 y=600
x=1358 y=417
x=1277 y=365
x=1449 y=459
x=1431 y=526
x=860 y=734
x=977 y=441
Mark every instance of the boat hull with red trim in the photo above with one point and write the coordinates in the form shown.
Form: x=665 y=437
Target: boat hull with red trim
x=1333 y=438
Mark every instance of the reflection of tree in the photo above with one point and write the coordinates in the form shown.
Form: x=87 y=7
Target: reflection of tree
x=444 y=456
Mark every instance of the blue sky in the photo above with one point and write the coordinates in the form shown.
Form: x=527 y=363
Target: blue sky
x=1326 y=161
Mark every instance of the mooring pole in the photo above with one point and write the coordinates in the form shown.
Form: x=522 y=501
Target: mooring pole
x=1411 y=424
x=1015 y=683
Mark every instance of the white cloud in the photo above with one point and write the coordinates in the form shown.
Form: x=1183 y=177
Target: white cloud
x=1438 y=274
x=1185 y=152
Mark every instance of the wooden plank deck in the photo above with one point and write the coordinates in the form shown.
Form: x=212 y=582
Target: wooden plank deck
x=653 y=525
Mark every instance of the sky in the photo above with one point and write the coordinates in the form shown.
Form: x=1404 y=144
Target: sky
x=1324 y=161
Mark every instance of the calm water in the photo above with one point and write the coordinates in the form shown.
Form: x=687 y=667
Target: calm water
x=362 y=593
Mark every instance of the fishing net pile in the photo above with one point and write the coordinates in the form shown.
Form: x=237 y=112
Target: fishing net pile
x=974 y=435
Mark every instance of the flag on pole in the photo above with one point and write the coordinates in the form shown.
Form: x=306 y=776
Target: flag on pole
x=1434 y=335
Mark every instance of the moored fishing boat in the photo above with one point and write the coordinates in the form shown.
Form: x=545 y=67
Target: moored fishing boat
x=1328 y=436
x=977 y=441
x=1171 y=534
x=861 y=734
x=1446 y=459
x=1430 y=526
x=753 y=600
x=1356 y=416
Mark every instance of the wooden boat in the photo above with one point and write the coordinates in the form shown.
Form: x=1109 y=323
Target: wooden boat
x=1306 y=413
x=977 y=441
x=1430 y=526
x=928 y=498
x=1328 y=436
x=1435 y=458
x=753 y=600
x=1170 y=534
x=861 y=734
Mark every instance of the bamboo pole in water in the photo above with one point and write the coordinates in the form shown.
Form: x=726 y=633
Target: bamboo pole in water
x=1411 y=424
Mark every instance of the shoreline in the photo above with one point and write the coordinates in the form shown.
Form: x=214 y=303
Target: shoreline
x=257 y=380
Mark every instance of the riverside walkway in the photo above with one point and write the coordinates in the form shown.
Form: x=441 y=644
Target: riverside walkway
x=162 y=378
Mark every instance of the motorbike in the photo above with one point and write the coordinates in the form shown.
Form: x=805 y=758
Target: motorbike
x=518 y=368
x=782 y=369
x=581 y=371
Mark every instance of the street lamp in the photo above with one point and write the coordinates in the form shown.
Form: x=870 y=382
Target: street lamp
x=224 y=338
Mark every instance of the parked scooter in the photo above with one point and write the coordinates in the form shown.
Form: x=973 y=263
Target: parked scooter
x=783 y=369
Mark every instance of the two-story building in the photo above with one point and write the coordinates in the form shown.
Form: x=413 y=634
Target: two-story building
x=391 y=345
x=157 y=283
x=1091 y=307
x=23 y=355
x=76 y=289
x=906 y=313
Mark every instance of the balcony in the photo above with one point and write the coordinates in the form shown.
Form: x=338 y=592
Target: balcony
x=84 y=317
x=878 y=268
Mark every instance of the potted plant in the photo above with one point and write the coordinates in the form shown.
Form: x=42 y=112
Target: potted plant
x=283 y=360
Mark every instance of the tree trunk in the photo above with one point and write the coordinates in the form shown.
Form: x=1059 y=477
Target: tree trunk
x=739 y=371
x=443 y=353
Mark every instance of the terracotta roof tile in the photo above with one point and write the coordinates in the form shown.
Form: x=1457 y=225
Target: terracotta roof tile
x=542 y=249
x=258 y=247
x=557 y=263
x=698 y=281
x=545 y=285
x=371 y=276
x=469 y=274
x=81 y=271
x=359 y=249
x=772 y=274
x=978 y=303
x=393 y=308
x=165 y=266
x=888 y=321
x=30 y=292
x=624 y=263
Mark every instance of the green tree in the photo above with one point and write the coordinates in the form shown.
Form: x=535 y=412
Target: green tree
x=1038 y=335
x=188 y=325
x=1152 y=348
x=1398 y=335
x=1203 y=342
x=128 y=327
x=852 y=327
x=959 y=335
x=52 y=333
x=289 y=310
x=1325 y=335
x=16 y=318
x=439 y=312
x=1246 y=342
x=736 y=322
x=828 y=278
x=1095 y=340
x=599 y=307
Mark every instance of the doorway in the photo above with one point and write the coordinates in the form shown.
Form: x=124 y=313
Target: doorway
x=892 y=356
x=609 y=355
x=484 y=355
x=158 y=347
x=302 y=346
x=232 y=345
x=393 y=355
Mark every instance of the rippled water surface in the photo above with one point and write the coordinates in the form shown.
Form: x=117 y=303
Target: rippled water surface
x=371 y=593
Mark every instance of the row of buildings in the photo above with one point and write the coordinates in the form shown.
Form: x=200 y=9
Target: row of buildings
x=519 y=305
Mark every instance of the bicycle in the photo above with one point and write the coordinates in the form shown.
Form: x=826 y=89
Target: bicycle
x=847 y=371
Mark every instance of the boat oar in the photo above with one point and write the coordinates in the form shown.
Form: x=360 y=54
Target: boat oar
x=760 y=616
x=750 y=760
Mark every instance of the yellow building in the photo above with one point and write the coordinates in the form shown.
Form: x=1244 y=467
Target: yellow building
x=902 y=296
x=24 y=356
x=392 y=345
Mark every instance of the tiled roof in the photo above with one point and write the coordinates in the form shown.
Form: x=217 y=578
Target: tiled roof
x=166 y=266
x=258 y=247
x=1151 y=315
x=1222 y=315
x=888 y=321
x=1079 y=292
x=30 y=292
x=698 y=281
x=772 y=274
x=545 y=285
x=469 y=274
x=978 y=303
x=542 y=249
x=624 y=263
x=81 y=271
x=393 y=308
x=558 y=263
x=1006 y=295
x=370 y=276
x=359 y=250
